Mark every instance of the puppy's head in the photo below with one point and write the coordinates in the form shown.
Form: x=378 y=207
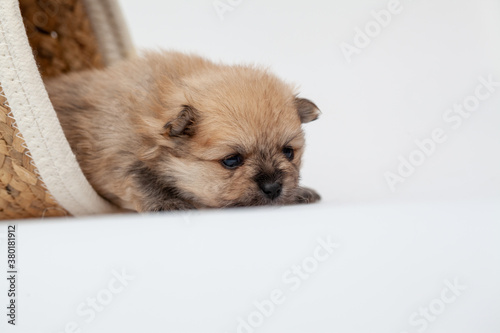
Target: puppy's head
x=236 y=138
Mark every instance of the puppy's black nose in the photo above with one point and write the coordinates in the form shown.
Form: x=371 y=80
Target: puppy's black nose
x=271 y=190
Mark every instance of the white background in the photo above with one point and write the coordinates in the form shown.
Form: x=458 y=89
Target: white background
x=393 y=92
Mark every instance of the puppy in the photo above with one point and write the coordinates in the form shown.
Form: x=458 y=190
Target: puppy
x=169 y=131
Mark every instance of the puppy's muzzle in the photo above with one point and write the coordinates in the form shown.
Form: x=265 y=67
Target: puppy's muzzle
x=271 y=190
x=270 y=183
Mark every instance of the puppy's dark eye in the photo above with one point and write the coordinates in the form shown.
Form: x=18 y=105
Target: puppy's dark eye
x=288 y=152
x=233 y=161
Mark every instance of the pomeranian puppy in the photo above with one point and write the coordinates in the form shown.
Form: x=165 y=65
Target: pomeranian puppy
x=169 y=131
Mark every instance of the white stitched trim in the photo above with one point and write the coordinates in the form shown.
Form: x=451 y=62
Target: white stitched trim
x=36 y=119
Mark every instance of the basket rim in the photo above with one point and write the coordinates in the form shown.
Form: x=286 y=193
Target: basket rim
x=37 y=121
x=109 y=29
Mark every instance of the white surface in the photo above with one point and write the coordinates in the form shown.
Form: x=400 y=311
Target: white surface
x=200 y=272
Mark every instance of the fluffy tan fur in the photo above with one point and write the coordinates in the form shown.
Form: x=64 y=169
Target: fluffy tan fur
x=151 y=133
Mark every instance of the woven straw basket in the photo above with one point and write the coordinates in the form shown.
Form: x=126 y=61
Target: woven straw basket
x=39 y=174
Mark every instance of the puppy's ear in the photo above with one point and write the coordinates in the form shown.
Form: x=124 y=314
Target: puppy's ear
x=308 y=111
x=183 y=125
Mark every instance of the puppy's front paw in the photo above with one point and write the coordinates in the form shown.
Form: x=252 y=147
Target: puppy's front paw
x=305 y=195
